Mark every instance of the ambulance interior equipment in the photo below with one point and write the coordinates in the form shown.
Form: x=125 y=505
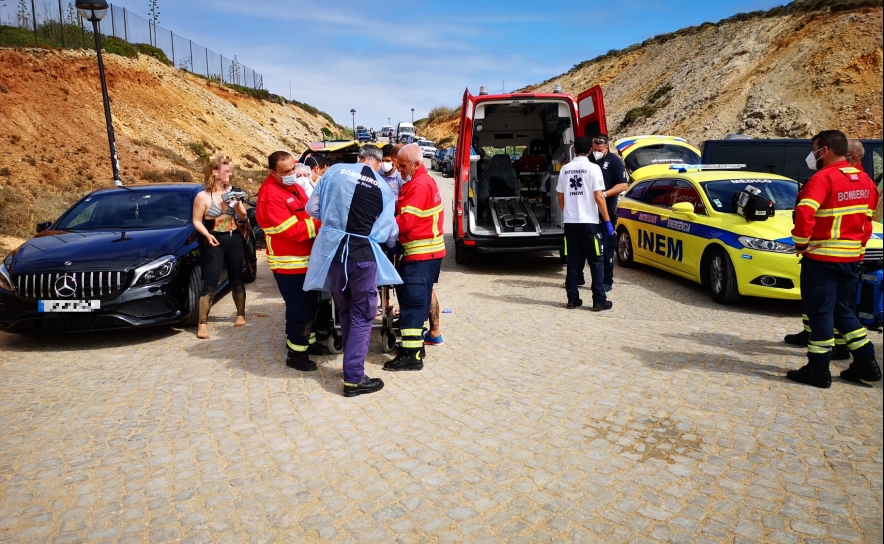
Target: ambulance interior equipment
x=517 y=198
x=510 y=150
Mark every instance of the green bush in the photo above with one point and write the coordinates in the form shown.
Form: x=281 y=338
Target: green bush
x=659 y=93
x=439 y=112
x=155 y=52
x=199 y=149
x=118 y=46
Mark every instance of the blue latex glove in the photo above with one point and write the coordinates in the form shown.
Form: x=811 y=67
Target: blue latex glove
x=609 y=228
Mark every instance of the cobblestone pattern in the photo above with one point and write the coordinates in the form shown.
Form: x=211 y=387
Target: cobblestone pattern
x=667 y=419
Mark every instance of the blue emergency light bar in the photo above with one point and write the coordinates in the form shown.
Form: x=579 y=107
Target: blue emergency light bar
x=686 y=167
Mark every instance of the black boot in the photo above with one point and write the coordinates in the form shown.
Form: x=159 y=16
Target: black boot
x=863 y=369
x=406 y=359
x=840 y=353
x=365 y=386
x=797 y=339
x=299 y=360
x=317 y=348
x=817 y=376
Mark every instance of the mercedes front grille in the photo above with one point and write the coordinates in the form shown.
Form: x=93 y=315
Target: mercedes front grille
x=74 y=285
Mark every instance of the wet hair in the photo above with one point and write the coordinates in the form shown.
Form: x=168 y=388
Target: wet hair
x=834 y=140
x=370 y=151
x=582 y=145
x=316 y=161
x=277 y=156
x=387 y=150
x=213 y=164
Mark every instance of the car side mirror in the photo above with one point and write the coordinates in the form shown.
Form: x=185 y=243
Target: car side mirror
x=43 y=226
x=684 y=208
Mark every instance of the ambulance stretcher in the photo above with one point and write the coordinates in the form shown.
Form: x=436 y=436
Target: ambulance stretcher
x=513 y=216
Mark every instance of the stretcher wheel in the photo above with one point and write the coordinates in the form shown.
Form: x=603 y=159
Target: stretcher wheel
x=388 y=341
x=334 y=344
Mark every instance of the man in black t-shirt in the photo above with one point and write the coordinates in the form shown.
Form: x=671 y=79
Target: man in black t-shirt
x=616 y=183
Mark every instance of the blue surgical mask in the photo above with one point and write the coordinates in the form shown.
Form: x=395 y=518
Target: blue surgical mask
x=290 y=180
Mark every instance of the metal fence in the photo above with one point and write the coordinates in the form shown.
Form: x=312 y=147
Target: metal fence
x=55 y=23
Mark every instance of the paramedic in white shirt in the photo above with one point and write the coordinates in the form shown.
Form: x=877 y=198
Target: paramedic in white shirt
x=581 y=197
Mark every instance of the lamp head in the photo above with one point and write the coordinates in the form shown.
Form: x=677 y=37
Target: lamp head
x=94 y=10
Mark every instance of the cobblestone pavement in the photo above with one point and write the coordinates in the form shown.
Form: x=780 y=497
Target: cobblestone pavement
x=667 y=419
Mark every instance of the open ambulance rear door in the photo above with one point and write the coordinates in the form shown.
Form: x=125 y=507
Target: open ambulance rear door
x=462 y=165
x=591 y=113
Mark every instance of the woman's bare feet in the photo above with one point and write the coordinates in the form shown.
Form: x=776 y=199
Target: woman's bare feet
x=202 y=331
x=240 y=321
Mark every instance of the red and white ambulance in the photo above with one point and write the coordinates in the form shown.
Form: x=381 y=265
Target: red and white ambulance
x=509 y=153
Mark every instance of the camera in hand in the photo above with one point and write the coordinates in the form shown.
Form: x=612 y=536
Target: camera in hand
x=232 y=197
x=752 y=205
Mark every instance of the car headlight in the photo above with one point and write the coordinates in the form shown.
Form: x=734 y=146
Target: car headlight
x=5 y=278
x=761 y=244
x=155 y=271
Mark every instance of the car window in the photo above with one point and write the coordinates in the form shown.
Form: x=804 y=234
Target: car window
x=656 y=193
x=760 y=157
x=83 y=216
x=795 y=165
x=636 y=192
x=877 y=164
x=721 y=193
x=684 y=191
x=130 y=210
x=660 y=154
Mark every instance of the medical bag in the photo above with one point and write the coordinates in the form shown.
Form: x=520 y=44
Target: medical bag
x=752 y=205
x=870 y=298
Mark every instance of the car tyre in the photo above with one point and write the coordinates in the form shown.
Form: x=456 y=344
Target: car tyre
x=625 y=255
x=722 y=278
x=194 y=286
x=463 y=255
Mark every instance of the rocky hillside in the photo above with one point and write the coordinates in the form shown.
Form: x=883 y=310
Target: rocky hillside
x=53 y=144
x=785 y=73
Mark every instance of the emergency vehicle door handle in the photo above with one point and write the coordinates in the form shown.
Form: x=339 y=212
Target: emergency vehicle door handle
x=664 y=217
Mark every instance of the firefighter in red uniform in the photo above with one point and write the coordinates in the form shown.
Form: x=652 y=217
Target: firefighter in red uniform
x=289 y=233
x=833 y=222
x=420 y=218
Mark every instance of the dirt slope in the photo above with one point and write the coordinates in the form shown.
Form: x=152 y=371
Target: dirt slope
x=53 y=142
x=769 y=76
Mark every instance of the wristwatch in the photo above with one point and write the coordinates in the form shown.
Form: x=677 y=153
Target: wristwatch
x=605 y=194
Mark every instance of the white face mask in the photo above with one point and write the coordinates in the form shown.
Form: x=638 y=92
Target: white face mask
x=598 y=155
x=387 y=166
x=811 y=161
x=303 y=181
x=289 y=180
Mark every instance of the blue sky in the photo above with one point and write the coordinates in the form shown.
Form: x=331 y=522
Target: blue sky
x=384 y=58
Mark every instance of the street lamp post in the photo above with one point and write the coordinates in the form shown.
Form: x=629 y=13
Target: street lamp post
x=94 y=12
x=412 y=116
x=353 y=113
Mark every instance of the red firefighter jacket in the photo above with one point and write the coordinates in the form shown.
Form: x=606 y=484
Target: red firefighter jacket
x=833 y=218
x=419 y=216
x=288 y=230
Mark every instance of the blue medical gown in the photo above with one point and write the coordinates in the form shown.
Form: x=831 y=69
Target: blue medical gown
x=330 y=203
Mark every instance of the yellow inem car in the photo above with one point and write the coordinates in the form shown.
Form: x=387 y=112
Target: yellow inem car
x=686 y=222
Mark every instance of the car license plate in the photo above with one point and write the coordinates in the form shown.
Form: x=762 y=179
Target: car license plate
x=68 y=305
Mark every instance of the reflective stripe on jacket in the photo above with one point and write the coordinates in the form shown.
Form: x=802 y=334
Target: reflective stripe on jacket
x=833 y=217
x=288 y=230
x=420 y=218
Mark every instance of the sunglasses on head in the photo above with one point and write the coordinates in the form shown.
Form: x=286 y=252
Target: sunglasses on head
x=599 y=141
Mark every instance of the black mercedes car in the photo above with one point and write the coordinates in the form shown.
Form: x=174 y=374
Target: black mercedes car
x=120 y=257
